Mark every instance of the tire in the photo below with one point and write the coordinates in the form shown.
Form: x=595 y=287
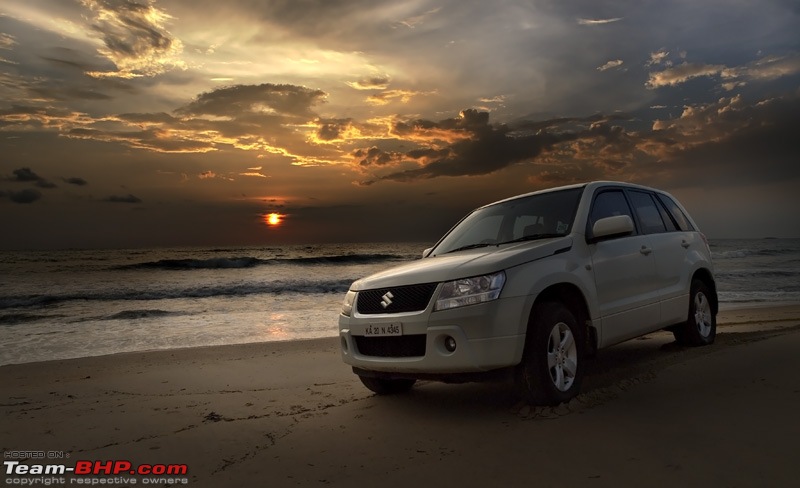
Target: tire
x=552 y=364
x=384 y=386
x=700 y=327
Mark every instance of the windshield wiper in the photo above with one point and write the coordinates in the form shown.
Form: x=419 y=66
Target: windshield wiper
x=469 y=246
x=532 y=237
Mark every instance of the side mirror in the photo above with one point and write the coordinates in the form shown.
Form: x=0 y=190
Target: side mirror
x=426 y=252
x=617 y=225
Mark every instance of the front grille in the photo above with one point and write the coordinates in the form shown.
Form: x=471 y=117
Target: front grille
x=412 y=298
x=392 y=347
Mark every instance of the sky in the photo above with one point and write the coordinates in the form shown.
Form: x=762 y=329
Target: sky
x=132 y=123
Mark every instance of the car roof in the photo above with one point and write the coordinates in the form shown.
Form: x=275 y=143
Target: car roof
x=590 y=185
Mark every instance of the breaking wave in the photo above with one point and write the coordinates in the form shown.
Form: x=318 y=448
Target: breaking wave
x=251 y=262
x=140 y=314
x=744 y=253
x=227 y=290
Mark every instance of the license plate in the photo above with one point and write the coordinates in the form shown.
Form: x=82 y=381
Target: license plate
x=383 y=330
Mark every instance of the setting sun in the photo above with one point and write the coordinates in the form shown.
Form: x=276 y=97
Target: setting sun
x=273 y=219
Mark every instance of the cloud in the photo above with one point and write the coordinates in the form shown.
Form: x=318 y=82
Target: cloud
x=413 y=21
x=374 y=156
x=28 y=195
x=270 y=118
x=157 y=140
x=135 y=38
x=26 y=175
x=288 y=100
x=724 y=138
x=732 y=141
x=682 y=73
x=611 y=64
x=764 y=69
x=210 y=175
x=123 y=199
x=75 y=181
x=658 y=57
x=387 y=96
x=330 y=130
x=771 y=67
x=474 y=147
x=598 y=21
x=371 y=83
x=7 y=41
x=24 y=117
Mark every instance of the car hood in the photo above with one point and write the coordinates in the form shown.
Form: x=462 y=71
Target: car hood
x=463 y=264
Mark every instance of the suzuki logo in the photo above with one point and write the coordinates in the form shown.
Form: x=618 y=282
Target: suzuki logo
x=386 y=299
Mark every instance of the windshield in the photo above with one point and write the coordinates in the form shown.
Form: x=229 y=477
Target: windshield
x=535 y=217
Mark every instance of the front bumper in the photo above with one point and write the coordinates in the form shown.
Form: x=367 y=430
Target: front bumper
x=488 y=336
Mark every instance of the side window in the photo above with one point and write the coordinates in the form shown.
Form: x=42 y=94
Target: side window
x=608 y=204
x=648 y=214
x=676 y=212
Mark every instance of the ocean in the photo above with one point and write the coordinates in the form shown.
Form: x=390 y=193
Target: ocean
x=68 y=304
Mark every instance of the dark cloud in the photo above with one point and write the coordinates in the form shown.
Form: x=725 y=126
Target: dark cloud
x=332 y=129
x=28 y=195
x=123 y=199
x=476 y=147
x=731 y=142
x=46 y=184
x=26 y=175
x=374 y=156
x=371 y=83
x=290 y=100
x=75 y=181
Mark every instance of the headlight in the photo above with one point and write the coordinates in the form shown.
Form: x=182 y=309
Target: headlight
x=470 y=291
x=347 y=305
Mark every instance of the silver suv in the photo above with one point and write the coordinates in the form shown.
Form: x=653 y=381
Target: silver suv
x=529 y=286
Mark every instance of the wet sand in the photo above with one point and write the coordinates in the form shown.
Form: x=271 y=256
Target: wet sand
x=292 y=414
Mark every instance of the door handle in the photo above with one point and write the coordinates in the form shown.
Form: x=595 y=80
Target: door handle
x=685 y=244
x=645 y=250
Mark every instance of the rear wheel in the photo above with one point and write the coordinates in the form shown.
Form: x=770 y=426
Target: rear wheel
x=700 y=327
x=385 y=386
x=552 y=363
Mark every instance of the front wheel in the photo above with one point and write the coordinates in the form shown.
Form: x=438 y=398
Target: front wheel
x=385 y=386
x=552 y=363
x=700 y=327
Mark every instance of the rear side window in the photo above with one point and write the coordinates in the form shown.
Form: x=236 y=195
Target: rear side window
x=609 y=204
x=647 y=211
x=676 y=212
x=665 y=216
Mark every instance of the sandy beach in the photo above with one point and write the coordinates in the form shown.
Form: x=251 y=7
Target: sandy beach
x=292 y=414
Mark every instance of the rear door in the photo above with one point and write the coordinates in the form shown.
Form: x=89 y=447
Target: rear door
x=684 y=245
x=668 y=250
x=624 y=272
